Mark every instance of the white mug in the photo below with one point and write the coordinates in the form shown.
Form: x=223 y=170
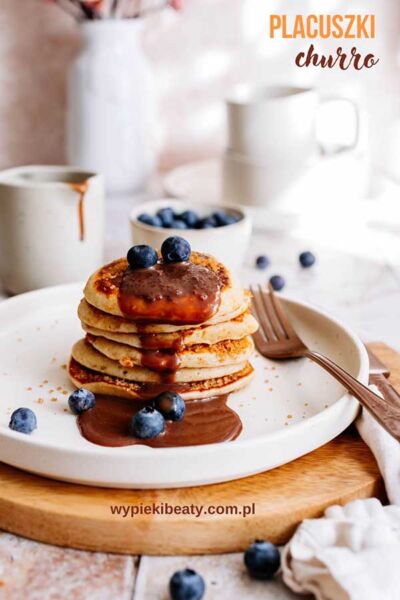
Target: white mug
x=51 y=226
x=277 y=124
x=249 y=183
x=331 y=180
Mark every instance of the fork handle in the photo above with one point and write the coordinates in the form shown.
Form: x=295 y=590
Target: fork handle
x=387 y=415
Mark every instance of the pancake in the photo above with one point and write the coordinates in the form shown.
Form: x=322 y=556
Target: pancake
x=191 y=357
x=242 y=326
x=90 y=358
x=99 y=383
x=94 y=317
x=103 y=291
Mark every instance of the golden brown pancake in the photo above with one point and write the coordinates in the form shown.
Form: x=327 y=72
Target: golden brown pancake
x=103 y=287
x=243 y=325
x=191 y=357
x=94 y=317
x=90 y=358
x=99 y=383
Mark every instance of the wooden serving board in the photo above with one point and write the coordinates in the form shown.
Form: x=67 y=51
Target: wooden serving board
x=81 y=517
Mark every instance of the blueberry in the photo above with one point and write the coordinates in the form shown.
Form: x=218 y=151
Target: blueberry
x=81 y=400
x=170 y=405
x=23 y=420
x=230 y=220
x=146 y=219
x=178 y=224
x=262 y=560
x=186 y=585
x=262 y=262
x=175 y=249
x=147 y=423
x=166 y=215
x=307 y=259
x=277 y=282
x=190 y=218
x=207 y=223
x=222 y=218
x=141 y=257
x=157 y=221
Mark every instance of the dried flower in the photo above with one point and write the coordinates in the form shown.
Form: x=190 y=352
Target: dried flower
x=113 y=9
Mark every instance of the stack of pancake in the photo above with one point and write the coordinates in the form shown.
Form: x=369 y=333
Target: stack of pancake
x=149 y=347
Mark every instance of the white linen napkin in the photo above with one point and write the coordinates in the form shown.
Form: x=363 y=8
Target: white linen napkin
x=386 y=451
x=353 y=552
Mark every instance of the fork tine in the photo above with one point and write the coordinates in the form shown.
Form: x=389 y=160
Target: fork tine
x=260 y=315
x=254 y=306
x=253 y=303
x=280 y=315
x=260 y=339
x=279 y=332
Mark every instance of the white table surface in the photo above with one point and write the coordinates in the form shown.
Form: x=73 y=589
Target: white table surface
x=357 y=279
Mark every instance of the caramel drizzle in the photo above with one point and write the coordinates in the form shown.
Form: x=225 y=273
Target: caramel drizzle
x=81 y=189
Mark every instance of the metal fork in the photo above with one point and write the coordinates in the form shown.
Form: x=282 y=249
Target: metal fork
x=276 y=339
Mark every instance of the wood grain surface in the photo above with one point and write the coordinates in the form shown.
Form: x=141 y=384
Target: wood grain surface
x=81 y=517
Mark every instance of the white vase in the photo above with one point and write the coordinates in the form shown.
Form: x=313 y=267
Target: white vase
x=111 y=114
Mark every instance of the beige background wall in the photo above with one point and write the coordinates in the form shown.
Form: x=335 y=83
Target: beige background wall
x=197 y=55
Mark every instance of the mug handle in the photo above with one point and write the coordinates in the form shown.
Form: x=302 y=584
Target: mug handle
x=357 y=124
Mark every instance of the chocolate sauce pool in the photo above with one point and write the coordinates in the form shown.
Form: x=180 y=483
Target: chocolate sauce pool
x=206 y=421
x=177 y=293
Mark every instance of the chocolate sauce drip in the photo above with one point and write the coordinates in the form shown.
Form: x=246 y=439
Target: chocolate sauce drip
x=157 y=341
x=148 y=391
x=178 y=293
x=81 y=188
x=207 y=421
x=160 y=360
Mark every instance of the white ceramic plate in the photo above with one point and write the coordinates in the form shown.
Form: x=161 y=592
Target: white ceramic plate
x=288 y=410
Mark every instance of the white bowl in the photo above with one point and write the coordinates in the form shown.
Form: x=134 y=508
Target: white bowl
x=228 y=243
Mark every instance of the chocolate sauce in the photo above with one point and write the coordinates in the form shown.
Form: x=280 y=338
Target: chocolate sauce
x=160 y=360
x=178 y=293
x=81 y=188
x=148 y=391
x=207 y=421
x=157 y=341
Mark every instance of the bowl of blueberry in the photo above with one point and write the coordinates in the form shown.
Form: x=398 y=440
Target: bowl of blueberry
x=218 y=229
